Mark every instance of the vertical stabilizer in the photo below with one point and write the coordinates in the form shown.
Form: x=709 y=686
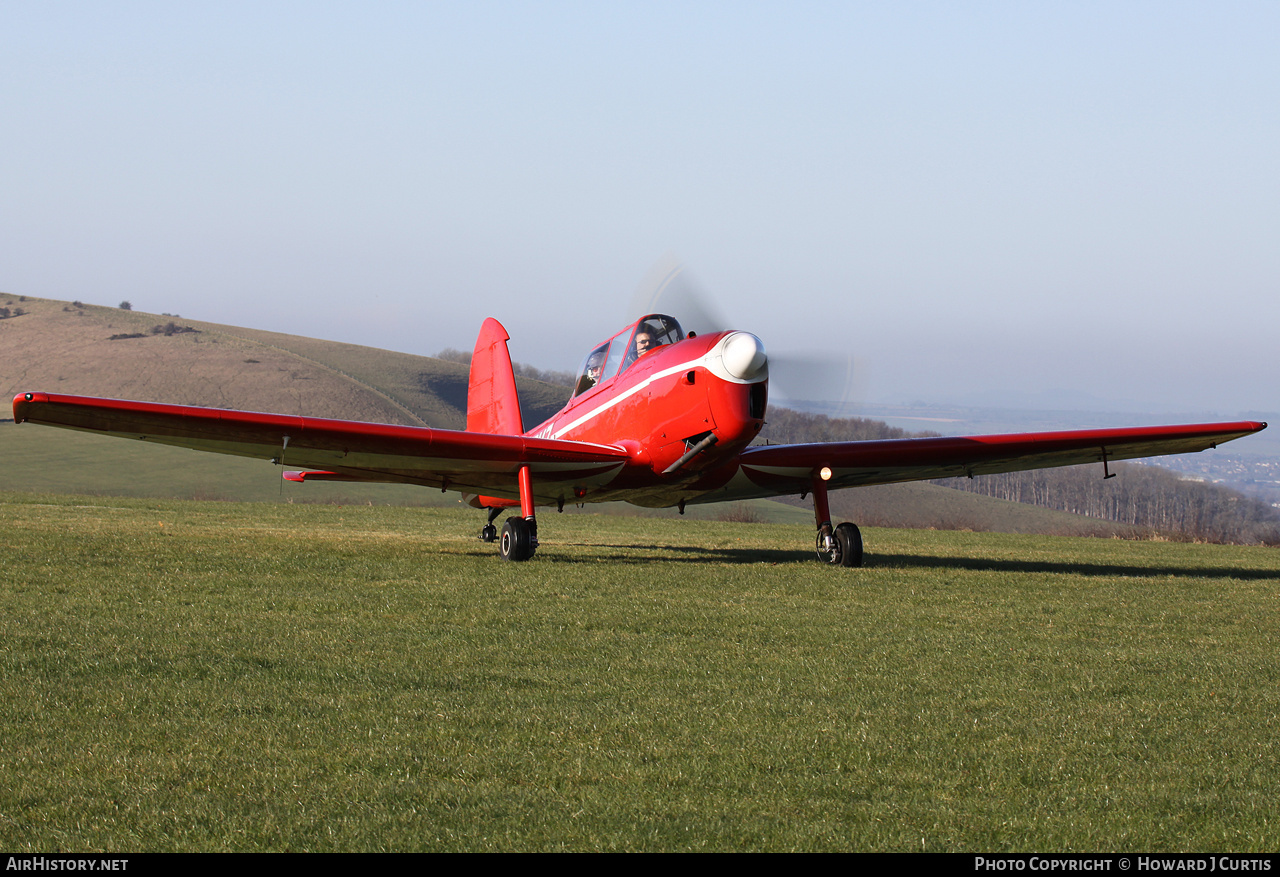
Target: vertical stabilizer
x=493 y=404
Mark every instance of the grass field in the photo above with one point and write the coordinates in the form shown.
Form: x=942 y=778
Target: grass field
x=216 y=676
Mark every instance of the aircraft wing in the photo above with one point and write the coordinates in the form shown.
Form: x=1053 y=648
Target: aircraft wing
x=785 y=469
x=345 y=450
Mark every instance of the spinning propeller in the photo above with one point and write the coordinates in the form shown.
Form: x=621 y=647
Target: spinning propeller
x=820 y=383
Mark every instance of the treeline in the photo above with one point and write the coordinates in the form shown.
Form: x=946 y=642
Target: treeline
x=1141 y=496
x=786 y=427
x=522 y=370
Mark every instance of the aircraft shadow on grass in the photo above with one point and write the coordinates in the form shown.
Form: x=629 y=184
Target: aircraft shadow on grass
x=981 y=564
x=647 y=554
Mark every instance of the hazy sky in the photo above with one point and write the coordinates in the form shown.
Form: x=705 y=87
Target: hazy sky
x=990 y=199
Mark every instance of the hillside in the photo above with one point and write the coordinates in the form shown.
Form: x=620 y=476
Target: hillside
x=68 y=348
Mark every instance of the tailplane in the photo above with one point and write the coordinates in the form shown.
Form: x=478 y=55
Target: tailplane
x=493 y=403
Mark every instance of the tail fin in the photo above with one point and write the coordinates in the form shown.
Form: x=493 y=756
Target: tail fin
x=493 y=404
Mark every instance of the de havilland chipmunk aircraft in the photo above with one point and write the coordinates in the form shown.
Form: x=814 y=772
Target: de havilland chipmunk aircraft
x=656 y=418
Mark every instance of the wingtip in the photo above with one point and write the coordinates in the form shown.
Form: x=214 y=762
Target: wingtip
x=20 y=402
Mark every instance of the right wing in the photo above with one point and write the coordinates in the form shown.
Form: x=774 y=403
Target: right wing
x=345 y=450
x=783 y=469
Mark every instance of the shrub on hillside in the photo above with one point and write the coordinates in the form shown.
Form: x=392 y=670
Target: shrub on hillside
x=740 y=513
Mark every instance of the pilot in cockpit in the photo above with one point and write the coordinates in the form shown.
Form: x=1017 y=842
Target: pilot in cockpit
x=651 y=333
x=591 y=374
x=644 y=342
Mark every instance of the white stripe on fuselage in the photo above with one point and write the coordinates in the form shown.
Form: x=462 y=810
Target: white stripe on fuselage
x=622 y=397
x=708 y=360
x=546 y=432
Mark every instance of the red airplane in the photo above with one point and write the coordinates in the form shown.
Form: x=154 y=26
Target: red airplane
x=657 y=418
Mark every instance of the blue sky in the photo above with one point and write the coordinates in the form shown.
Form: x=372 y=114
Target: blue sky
x=978 y=200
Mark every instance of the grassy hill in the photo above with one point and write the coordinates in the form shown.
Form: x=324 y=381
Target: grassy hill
x=68 y=347
x=931 y=506
x=61 y=347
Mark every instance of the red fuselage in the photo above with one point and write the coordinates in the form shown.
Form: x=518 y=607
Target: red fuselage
x=659 y=408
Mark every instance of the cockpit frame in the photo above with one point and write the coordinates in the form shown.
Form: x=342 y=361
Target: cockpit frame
x=619 y=353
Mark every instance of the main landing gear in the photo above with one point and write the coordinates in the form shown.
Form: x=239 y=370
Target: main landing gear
x=841 y=546
x=519 y=539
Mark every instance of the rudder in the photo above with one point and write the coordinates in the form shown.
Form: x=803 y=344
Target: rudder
x=493 y=403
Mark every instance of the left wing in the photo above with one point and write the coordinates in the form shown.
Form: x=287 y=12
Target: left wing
x=784 y=469
x=346 y=450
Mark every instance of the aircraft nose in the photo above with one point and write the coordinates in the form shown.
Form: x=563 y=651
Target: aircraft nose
x=744 y=356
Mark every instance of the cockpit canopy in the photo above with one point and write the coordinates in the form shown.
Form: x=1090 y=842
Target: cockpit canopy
x=618 y=353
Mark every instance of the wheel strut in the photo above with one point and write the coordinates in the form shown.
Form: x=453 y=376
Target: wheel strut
x=837 y=546
x=520 y=535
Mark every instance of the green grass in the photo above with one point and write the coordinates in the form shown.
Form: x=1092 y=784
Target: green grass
x=214 y=676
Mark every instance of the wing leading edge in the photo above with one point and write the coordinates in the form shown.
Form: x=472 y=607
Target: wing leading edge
x=487 y=464
x=791 y=468
x=345 y=450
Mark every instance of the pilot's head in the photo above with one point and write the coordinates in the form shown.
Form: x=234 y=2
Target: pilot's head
x=644 y=341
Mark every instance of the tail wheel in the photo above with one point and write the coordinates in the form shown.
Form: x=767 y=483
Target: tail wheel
x=489 y=533
x=517 y=542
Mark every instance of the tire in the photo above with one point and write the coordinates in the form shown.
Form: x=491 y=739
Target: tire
x=849 y=544
x=517 y=540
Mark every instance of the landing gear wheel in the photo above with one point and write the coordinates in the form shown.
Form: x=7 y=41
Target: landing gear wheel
x=849 y=539
x=843 y=547
x=489 y=533
x=517 y=540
